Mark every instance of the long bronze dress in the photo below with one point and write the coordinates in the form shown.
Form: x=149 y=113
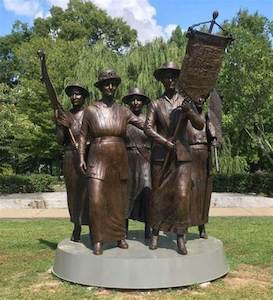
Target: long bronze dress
x=170 y=201
x=107 y=168
x=76 y=183
x=200 y=142
x=139 y=181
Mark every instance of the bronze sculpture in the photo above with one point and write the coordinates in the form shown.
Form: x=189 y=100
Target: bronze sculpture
x=168 y=116
x=68 y=126
x=104 y=124
x=139 y=148
x=201 y=142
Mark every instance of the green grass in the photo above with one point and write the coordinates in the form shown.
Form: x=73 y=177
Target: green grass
x=27 y=251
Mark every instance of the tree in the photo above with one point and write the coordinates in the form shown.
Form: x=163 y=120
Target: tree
x=82 y=19
x=178 y=37
x=8 y=61
x=135 y=67
x=246 y=86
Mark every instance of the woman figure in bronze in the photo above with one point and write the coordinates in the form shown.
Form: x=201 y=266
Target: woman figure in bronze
x=166 y=124
x=139 y=148
x=201 y=142
x=67 y=133
x=104 y=124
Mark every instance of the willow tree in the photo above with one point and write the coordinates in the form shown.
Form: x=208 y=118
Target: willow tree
x=135 y=67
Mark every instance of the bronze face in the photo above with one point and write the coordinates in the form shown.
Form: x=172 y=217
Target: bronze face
x=76 y=97
x=199 y=103
x=108 y=88
x=169 y=79
x=136 y=104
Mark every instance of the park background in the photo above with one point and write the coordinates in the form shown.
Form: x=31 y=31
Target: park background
x=80 y=39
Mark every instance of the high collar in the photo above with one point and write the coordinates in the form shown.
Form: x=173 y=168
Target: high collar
x=171 y=100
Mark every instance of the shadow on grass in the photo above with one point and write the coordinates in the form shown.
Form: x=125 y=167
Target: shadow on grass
x=49 y=244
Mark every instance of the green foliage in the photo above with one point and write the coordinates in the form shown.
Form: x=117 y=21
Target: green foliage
x=17 y=132
x=28 y=248
x=179 y=37
x=135 y=67
x=244 y=183
x=246 y=85
x=229 y=164
x=81 y=40
x=83 y=20
x=27 y=183
x=8 y=60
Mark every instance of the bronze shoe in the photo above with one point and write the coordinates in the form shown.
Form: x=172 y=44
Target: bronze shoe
x=122 y=244
x=181 y=246
x=97 y=250
x=147 y=232
x=185 y=238
x=202 y=232
x=76 y=234
x=153 y=242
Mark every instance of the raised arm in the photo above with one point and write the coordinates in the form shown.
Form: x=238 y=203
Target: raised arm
x=62 y=119
x=191 y=112
x=49 y=86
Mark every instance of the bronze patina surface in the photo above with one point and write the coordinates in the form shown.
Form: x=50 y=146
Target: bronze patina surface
x=139 y=147
x=104 y=124
x=201 y=142
x=170 y=199
x=68 y=125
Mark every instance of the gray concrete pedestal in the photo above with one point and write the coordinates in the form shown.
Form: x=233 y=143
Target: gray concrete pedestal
x=138 y=267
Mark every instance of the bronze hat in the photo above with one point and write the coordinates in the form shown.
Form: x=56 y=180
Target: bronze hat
x=77 y=85
x=133 y=92
x=168 y=66
x=106 y=75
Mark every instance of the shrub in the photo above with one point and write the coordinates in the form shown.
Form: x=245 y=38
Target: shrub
x=244 y=183
x=27 y=183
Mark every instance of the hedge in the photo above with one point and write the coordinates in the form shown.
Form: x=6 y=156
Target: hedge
x=240 y=183
x=244 y=183
x=27 y=183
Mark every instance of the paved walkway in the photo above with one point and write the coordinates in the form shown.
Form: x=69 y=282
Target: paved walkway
x=54 y=205
x=51 y=213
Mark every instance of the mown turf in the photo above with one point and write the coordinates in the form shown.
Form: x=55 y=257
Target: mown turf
x=27 y=252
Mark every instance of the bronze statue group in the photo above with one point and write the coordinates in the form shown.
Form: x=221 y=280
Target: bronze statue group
x=120 y=164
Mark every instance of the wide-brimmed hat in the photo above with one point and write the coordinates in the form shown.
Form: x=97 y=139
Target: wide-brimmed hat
x=106 y=75
x=135 y=92
x=79 y=86
x=168 y=66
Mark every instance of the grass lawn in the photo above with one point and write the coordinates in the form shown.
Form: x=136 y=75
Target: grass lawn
x=27 y=252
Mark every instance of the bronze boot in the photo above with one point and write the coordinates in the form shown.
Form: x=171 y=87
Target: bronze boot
x=153 y=241
x=97 y=250
x=202 y=232
x=76 y=234
x=181 y=245
x=185 y=238
x=122 y=244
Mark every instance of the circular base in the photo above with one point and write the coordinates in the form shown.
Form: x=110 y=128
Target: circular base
x=139 y=267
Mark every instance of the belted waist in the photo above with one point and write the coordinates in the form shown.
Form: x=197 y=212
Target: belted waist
x=71 y=147
x=108 y=139
x=199 y=146
x=138 y=146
